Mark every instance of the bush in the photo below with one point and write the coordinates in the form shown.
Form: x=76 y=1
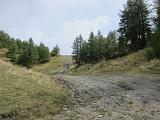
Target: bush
x=155 y=44
x=150 y=53
x=44 y=54
x=13 y=58
x=55 y=51
x=12 y=51
x=26 y=58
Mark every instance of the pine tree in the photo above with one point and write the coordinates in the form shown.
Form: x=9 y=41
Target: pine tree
x=111 y=45
x=55 y=51
x=43 y=52
x=4 y=40
x=26 y=56
x=155 y=41
x=77 y=49
x=157 y=9
x=101 y=46
x=12 y=52
x=91 y=46
x=84 y=52
x=135 y=24
x=19 y=45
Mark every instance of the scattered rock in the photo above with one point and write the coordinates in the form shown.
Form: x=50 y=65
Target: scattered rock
x=98 y=98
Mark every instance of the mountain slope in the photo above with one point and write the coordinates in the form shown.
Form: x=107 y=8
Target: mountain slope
x=26 y=93
x=133 y=63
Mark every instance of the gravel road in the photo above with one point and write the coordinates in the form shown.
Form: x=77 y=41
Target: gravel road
x=112 y=97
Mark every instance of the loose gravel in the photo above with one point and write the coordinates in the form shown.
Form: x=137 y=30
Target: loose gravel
x=112 y=97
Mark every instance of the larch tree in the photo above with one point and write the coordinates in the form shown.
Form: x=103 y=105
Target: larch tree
x=134 y=24
x=77 y=50
x=55 y=51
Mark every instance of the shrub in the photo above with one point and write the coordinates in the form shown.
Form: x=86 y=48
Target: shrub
x=150 y=53
x=55 y=51
x=44 y=54
x=12 y=51
x=155 y=43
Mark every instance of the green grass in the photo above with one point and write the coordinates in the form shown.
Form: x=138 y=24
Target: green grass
x=51 y=67
x=133 y=63
x=26 y=93
x=3 y=54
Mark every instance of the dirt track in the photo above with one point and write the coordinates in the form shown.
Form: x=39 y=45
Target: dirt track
x=112 y=97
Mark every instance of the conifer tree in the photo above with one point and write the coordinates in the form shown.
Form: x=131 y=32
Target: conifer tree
x=55 y=51
x=77 y=50
x=91 y=46
x=134 y=24
x=12 y=52
x=155 y=41
x=43 y=52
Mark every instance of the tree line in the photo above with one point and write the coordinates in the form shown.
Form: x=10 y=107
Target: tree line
x=26 y=53
x=137 y=30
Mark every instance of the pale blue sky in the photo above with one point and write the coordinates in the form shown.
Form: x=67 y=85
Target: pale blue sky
x=58 y=21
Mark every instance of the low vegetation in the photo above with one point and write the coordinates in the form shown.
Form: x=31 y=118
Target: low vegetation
x=53 y=66
x=133 y=63
x=26 y=94
x=3 y=54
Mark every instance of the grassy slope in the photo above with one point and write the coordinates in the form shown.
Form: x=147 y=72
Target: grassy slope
x=25 y=93
x=134 y=63
x=51 y=67
x=3 y=54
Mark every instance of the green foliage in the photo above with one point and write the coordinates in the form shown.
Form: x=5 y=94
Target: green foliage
x=154 y=51
x=111 y=45
x=12 y=51
x=26 y=57
x=4 y=40
x=25 y=53
x=122 y=50
x=155 y=44
x=19 y=45
x=85 y=52
x=77 y=50
x=55 y=51
x=33 y=54
x=96 y=49
x=44 y=54
x=157 y=9
x=91 y=47
x=134 y=25
x=149 y=54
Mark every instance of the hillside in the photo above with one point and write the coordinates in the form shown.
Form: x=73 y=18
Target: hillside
x=133 y=63
x=3 y=54
x=54 y=66
x=26 y=93
x=33 y=93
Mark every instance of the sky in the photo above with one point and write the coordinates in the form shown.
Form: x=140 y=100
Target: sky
x=58 y=21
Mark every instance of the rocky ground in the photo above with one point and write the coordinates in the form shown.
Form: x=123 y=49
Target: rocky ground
x=112 y=97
